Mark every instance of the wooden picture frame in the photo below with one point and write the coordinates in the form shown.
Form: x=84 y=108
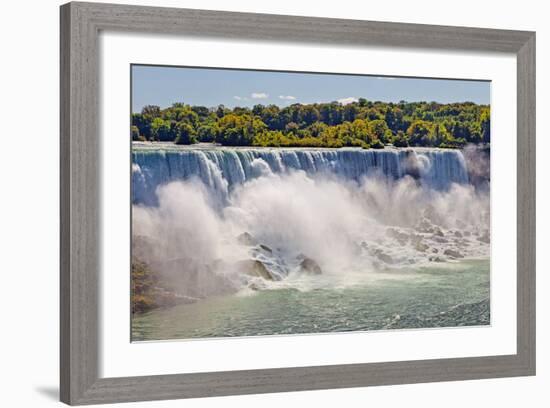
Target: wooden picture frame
x=81 y=24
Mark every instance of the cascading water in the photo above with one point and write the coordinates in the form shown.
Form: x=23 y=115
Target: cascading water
x=221 y=169
x=349 y=208
x=263 y=241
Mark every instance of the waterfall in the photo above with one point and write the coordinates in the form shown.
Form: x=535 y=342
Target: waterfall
x=220 y=169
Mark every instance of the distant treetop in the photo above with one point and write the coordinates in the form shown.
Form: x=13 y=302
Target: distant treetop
x=363 y=124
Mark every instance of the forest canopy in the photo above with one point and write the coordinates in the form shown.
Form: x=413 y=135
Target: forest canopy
x=363 y=124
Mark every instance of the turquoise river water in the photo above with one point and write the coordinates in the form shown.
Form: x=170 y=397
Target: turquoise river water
x=446 y=295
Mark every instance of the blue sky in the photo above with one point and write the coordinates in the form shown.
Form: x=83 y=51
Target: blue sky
x=162 y=86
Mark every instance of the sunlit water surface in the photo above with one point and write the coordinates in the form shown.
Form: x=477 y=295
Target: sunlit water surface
x=439 y=295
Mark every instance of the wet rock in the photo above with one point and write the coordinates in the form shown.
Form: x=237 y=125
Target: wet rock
x=458 y=234
x=424 y=226
x=421 y=247
x=310 y=267
x=384 y=257
x=401 y=237
x=256 y=286
x=463 y=242
x=485 y=237
x=439 y=239
x=416 y=238
x=438 y=232
x=436 y=259
x=453 y=253
x=246 y=239
x=254 y=268
x=266 y=248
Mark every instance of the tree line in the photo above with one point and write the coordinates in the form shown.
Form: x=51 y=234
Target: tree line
x=362 y=123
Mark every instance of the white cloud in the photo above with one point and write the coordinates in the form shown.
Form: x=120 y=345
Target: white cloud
x=287 y=97
x=237 y=98
x=349 y=99
x=259 y=95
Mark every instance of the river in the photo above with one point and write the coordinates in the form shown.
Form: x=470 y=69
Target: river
x=436 y=296
x=267 y=241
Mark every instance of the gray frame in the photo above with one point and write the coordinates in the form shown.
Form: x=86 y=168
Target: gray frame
x=80 y=234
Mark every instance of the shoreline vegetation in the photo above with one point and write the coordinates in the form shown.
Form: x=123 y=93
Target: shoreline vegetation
x=363 y=123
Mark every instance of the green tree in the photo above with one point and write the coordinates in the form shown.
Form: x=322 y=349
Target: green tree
x=363 y=123
x=135 y=134
x=485 y=124
x=292 y=127
x=207 y=132
x=308 y=114
x=378 y=129
x=401 y=140
x=161 y=130
x=185 y=134
x=420 y=133
x=349 y=112
x=239 y=130
x=151 y=111
x=360 y=129
x=143 y=125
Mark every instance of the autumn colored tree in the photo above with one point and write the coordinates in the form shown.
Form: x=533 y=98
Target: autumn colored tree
x=362 y=123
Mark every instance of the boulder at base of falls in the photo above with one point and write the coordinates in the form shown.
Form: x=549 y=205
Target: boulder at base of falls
x=310 y=267
x=147 y=293
x=453 y=253
x=246 y=239
x=439 y=240
x=421 y=247
x=485 y=237
x=384 y=257
x=266 y=248
x=254 y=268
x=256 y=286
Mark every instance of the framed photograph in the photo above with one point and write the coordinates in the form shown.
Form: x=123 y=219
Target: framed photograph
x=260 y=203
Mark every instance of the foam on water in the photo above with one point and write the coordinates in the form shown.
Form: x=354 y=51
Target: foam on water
x=351 y=211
